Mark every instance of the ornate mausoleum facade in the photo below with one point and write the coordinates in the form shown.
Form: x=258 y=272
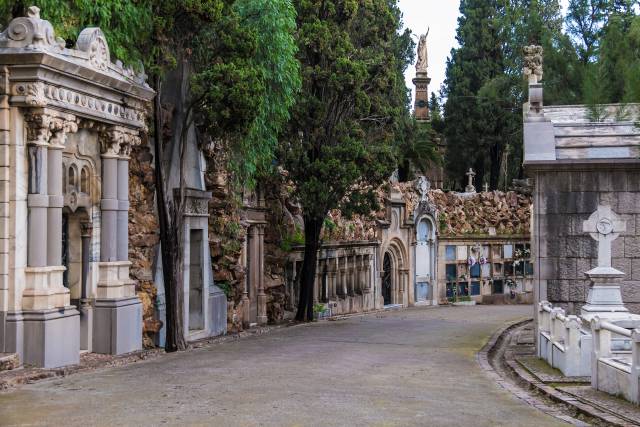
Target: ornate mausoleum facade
x=68 y=121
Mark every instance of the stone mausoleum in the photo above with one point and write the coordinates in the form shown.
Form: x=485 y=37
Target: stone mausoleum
x=68 y=121
x=580 y=165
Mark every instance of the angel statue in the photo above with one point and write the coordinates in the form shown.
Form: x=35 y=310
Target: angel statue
x=423 y=56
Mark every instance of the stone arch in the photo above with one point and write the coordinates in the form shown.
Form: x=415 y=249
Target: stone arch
x=395 y=259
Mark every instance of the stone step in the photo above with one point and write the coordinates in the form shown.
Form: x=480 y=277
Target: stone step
x=9 y=361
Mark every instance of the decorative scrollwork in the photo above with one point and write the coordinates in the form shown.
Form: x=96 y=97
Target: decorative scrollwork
x=30 y=31
x=93 y=41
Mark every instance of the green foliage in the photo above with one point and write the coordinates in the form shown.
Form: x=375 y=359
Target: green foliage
x=339 y=144
x=244 y=74
x=226 y=287
x=127 y=24
x=274 y=24
x=296 y=238
x=319 y=308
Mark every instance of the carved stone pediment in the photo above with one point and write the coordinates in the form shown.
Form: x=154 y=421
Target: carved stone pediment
x=196 y=201
x=82 y=80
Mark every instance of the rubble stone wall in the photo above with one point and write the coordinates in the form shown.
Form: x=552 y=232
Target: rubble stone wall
x=143 y=235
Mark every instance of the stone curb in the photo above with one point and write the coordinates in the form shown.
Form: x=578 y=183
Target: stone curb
x=483 y=357
x=532 y=383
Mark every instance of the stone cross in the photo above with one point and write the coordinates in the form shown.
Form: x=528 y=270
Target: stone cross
x=486 y=187
x=470 y=188
x=604 y=226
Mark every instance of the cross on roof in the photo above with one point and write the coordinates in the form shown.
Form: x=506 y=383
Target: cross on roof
x=470 y=188
x=604 y=226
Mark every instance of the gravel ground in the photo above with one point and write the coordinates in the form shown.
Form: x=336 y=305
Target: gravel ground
x=410 y=367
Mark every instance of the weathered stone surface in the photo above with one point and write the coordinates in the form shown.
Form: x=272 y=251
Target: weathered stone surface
x=576 y=290
x=624 y=265
x=143 y=235
x=630 y=291
x=632 y=247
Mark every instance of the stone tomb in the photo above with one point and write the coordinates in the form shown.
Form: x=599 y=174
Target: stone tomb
x=68 y=120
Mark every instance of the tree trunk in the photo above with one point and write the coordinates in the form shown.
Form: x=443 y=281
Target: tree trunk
x=312 y=228
x=170 y=240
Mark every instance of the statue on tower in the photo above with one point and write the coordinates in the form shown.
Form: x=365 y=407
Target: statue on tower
x=423 y=56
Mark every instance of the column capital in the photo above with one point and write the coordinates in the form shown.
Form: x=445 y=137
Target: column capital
x=116 y=141
x=61 y=127
x=38 y=127
x=49 y=127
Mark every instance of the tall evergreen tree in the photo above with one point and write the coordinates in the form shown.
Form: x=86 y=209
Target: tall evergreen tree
x=472 y=126
x=343 y=127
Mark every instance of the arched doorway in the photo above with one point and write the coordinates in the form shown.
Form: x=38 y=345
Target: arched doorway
x=387 y=280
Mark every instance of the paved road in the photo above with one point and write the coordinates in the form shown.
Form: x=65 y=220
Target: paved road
x=405 y=368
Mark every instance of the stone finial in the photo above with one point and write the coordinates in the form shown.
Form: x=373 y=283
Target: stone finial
x=30 y=32
x=604 y=226
x=533 y=61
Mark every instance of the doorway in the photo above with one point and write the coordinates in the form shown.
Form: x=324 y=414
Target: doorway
x=387 y=281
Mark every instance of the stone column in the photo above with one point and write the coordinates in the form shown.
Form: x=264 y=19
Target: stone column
x=351 y=277
x=117 y=309
x=109 y=204
x=246 y=303
x=333 y=269
x=86 y=311
x=292 y=286
x=262 y=296
x=38 y=134
x=342 y=271
x=367 y=272
x=44 y=275
x=122 y=243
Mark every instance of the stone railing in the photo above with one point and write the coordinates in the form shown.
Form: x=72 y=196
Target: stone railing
x=615 y=372
x=561 y=342
x=345 y=277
